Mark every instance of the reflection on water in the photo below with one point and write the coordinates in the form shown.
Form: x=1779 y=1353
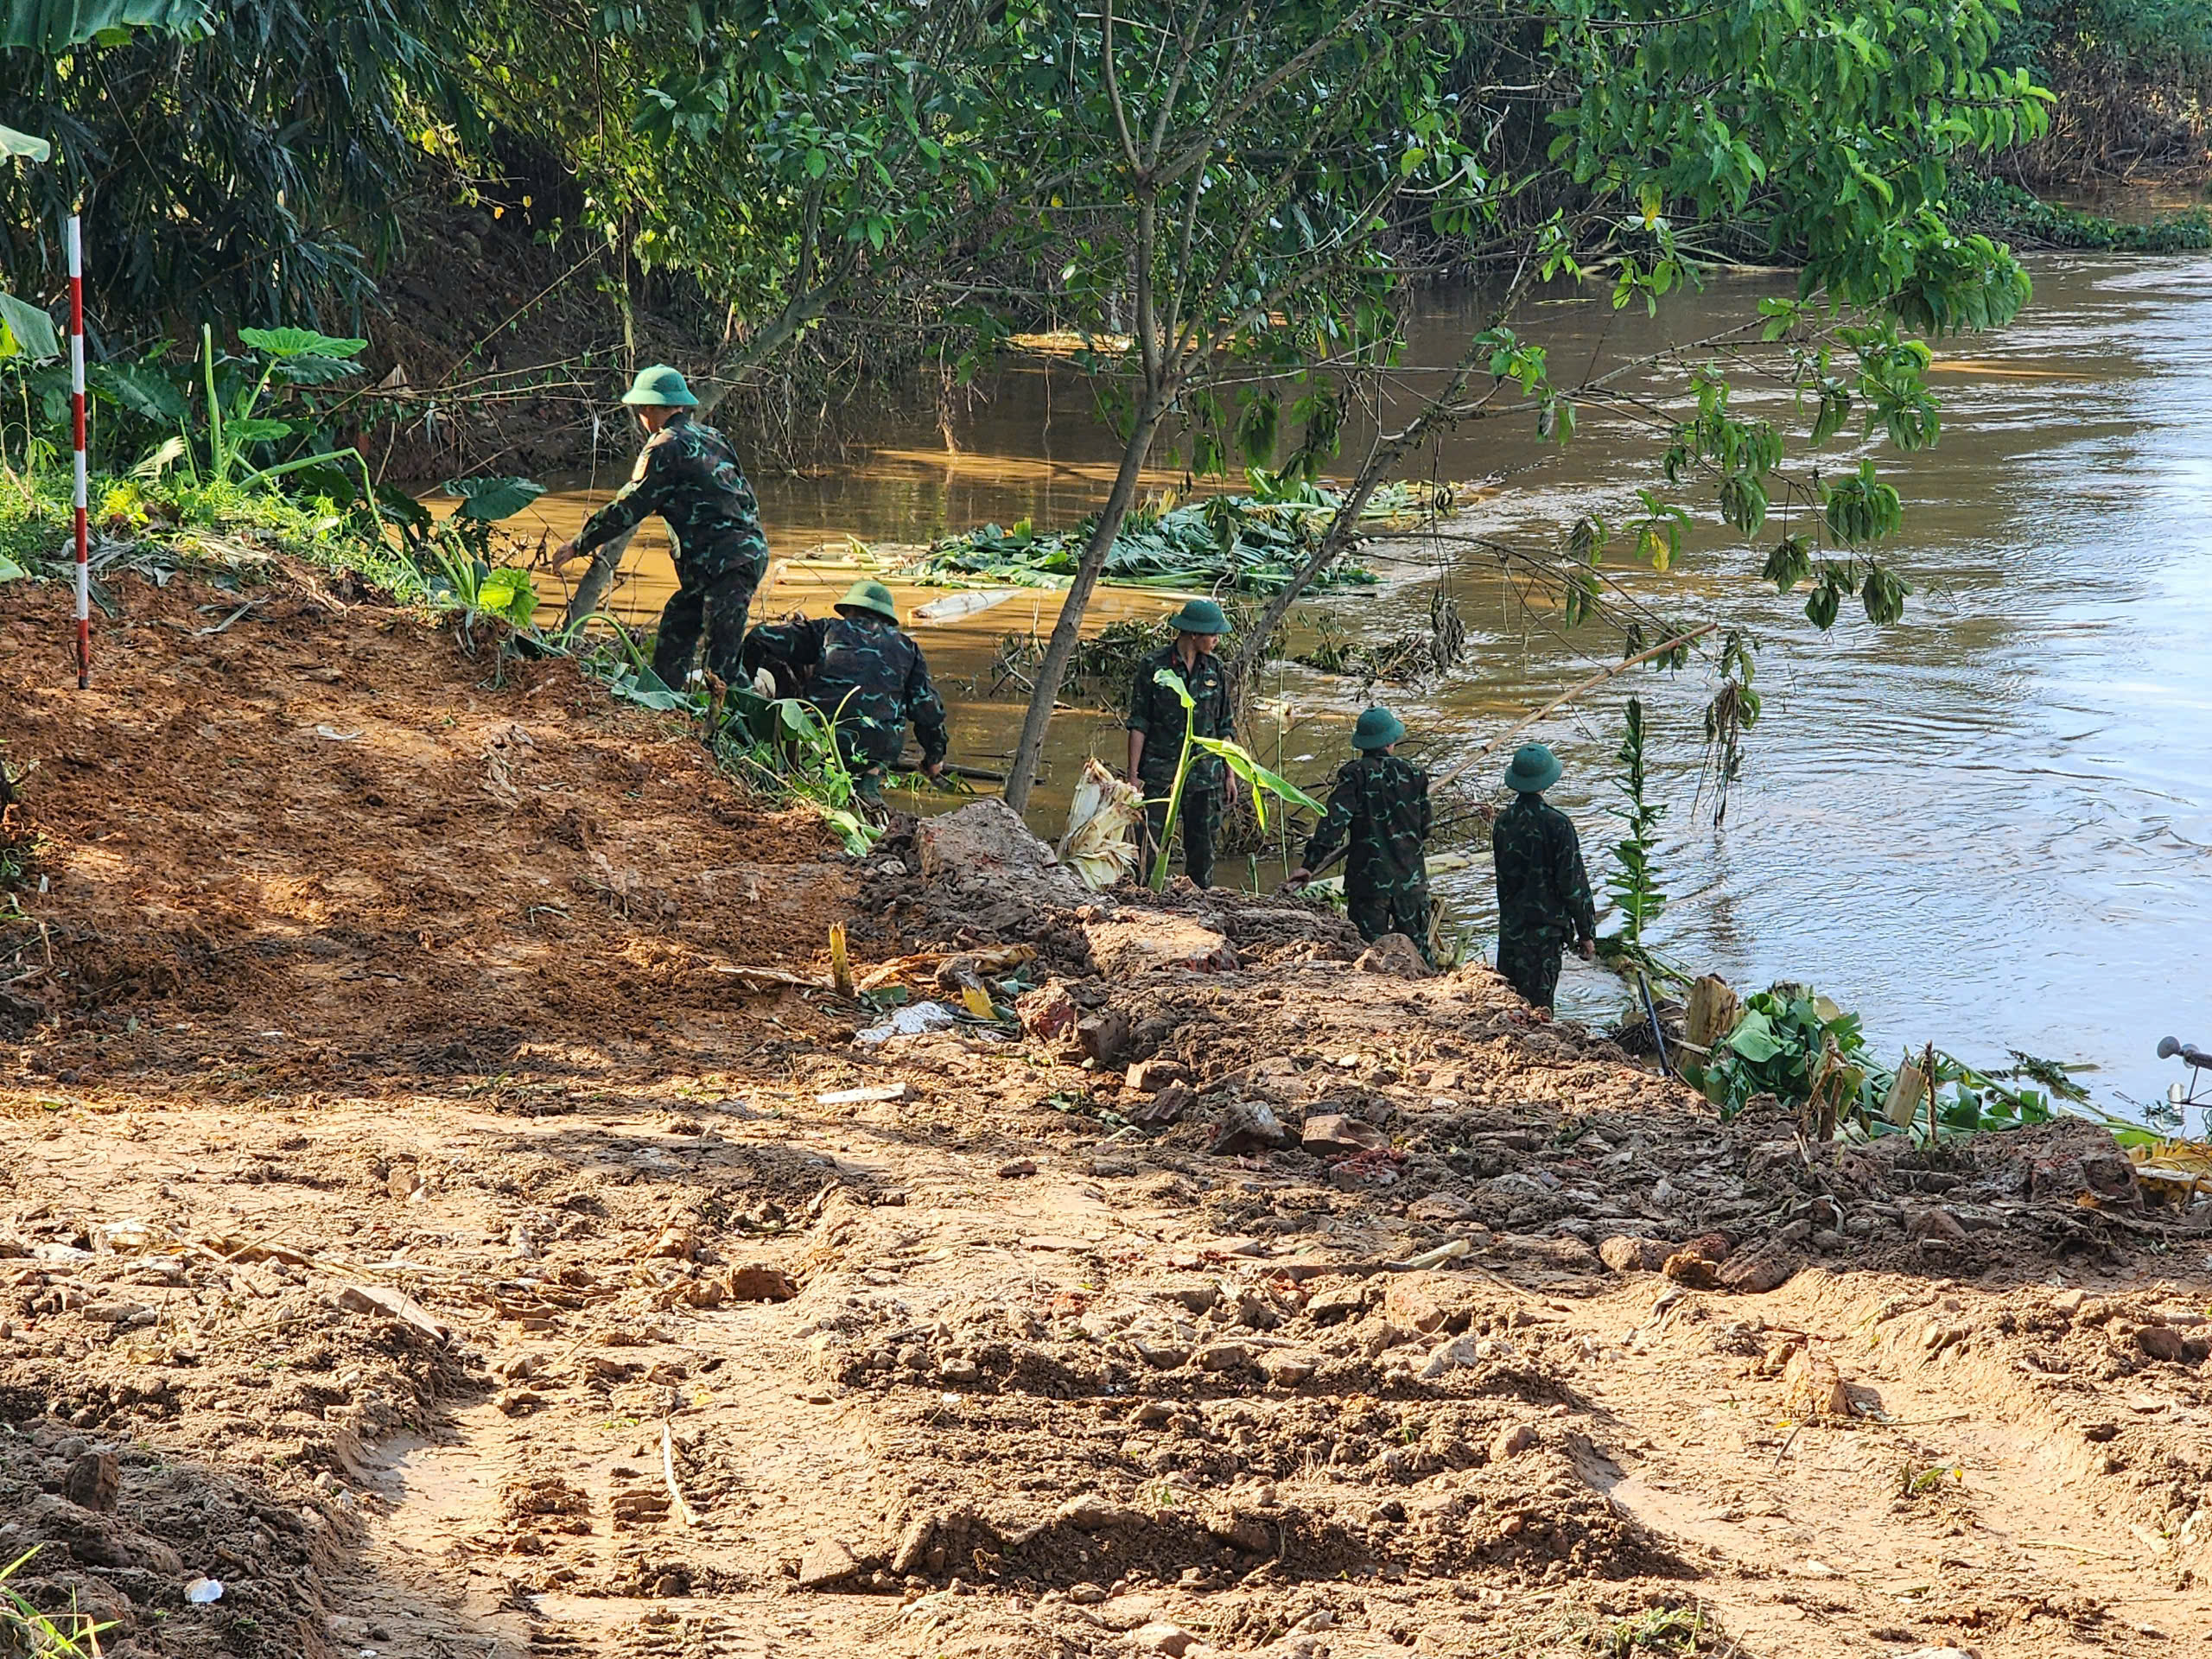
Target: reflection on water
x=1987 y=826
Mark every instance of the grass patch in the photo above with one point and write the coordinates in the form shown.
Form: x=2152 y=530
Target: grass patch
x=1657 y=1629
x=24 y=1629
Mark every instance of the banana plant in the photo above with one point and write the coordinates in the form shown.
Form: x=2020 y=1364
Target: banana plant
x=1238 y=759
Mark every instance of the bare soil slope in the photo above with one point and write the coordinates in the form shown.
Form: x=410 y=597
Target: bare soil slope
x=404 y=1222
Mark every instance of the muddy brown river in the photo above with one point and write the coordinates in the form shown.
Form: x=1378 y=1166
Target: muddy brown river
x=1988 y=826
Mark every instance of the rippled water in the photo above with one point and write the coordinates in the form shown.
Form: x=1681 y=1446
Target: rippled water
x=1989 y=826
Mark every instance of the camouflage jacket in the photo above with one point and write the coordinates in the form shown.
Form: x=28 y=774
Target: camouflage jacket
x=1380 y=804
x=1541 y=886
x=689 y=474
x=1155 y=710
x=866 y=674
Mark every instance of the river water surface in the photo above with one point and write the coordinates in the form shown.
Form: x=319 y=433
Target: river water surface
x=1988 y=826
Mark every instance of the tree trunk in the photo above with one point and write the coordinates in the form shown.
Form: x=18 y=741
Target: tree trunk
x=591 y=591
x=1068 y=630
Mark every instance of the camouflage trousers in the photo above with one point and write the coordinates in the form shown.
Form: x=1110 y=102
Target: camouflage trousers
x=1201 y=810
x=1530 y=963
x=1392 y=911
x=716 y=605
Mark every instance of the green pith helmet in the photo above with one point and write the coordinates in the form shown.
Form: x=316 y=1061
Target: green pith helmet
x=1200 y=616
x=870 y=596
x=1535 y=769
x=660 y=386
x=1378 y=728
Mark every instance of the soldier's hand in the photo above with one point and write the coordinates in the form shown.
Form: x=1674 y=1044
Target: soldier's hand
x=1587 y=949
x=1298 y=878
x=561 y=556
x=933 y=771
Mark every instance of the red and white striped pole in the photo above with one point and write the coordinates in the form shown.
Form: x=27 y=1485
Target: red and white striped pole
x=77 y=421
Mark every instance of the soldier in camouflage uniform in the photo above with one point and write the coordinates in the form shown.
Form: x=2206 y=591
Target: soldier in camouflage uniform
x=1380 y=807
x=690 y=475
x=1156 y=724
x=864 y=673
x=1543 y=892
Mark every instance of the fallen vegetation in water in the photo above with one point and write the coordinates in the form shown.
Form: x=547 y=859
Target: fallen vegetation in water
x=1250 y=544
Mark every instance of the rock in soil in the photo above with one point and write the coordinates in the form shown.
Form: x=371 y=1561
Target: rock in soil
x=93 y=1481
x=757 y=1282
x=1332 y=1134
x=1627 y=1253
x=1395 y=955
x=1249 y=1126
x=1150 y=1077
x=828 y=1563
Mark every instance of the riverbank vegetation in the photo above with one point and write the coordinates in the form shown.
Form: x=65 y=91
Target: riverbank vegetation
x=2133 y=80
x=2003 y=208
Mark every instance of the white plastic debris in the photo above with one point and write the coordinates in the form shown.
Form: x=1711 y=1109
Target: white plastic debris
x=953 y=606
x=201 y=1592
x=910 y=1021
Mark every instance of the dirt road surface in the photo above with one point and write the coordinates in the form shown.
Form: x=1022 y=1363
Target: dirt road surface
x=410 y=1223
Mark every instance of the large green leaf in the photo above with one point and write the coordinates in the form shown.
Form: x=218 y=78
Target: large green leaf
x=300 y=342
x=1262 y=782
x=644 y=687
x=9 y=570
x=1755 y=1039
x=493 y=498
x=314 y=369
x=401 y=508
x=508 y=592
x=24 y=144
x=29 y=331
x=142 y=391
x=53 y=26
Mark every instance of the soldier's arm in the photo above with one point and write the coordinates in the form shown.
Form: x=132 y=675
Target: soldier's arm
x=798 y=643
x=1424 y=813
x=635 y=502
x=1139 y=720
x=1572 y=881
x=926 y=709
x=1335 y=827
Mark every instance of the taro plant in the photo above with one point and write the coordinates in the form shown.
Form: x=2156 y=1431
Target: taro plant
x=238 y=421
x=1261 y=781
x=453 y=556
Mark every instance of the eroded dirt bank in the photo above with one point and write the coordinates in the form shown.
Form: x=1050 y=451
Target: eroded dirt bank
x=411 y=1225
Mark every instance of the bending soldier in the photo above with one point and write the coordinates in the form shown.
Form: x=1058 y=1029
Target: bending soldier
x=690 y=475
x=866 y=676
x=1543 y=892
x=1156 y=723
x=1379 y=810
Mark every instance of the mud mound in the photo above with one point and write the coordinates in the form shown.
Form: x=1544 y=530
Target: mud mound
x=119 y=1533
x=303 y=838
